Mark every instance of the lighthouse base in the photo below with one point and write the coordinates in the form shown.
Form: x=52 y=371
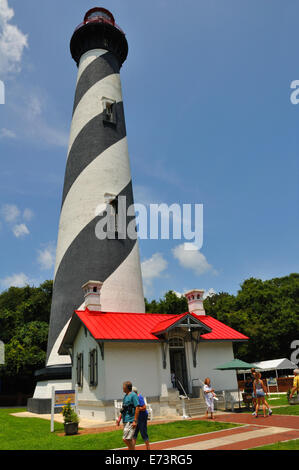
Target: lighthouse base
x=59 y=377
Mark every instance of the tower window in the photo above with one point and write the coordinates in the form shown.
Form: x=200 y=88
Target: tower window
x=112 y=213
x=109 y=111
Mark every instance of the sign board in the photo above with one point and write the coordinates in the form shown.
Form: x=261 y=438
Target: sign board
x=272 y=382
x=2 y=353
x=62 y=396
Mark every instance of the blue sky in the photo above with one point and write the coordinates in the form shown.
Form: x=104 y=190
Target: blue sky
x=209 y=120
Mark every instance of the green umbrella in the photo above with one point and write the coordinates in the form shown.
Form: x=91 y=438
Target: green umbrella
x=236 y=365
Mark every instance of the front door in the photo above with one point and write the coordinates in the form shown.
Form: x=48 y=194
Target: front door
x=178 y=367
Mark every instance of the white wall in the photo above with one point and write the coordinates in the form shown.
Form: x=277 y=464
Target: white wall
x=85 y=344
x=141 y=363
x=209 y=356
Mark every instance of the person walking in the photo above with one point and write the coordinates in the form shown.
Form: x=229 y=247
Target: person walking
x=260 y=391
x=209 y=397
x=173 y=379
x=254 y=401
x=142 y=421
x=129 y=414
x=295 y=383
x=248 y=391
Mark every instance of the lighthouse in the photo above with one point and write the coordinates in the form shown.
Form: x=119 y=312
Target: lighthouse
x=97 y=175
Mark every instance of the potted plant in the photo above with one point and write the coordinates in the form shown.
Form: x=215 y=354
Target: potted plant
x=71 y=419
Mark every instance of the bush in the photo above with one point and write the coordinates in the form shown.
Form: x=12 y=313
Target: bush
x=69 y=415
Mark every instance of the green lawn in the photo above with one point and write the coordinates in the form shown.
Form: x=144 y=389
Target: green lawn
x=277 y=400
x=289 y=445
x=34 y=434
x=287 y=410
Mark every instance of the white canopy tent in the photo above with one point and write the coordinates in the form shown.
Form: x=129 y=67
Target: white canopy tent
x=275 y=365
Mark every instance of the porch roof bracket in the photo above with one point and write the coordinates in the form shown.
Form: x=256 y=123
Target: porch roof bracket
x=164 y=353
x=101 y=346
x=194 y=345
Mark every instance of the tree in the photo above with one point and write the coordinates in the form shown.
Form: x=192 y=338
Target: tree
x=24 y=325
x=266 y=311
x=171 y=304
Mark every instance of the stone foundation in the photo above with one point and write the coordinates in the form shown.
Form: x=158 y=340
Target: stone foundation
x=103 y=410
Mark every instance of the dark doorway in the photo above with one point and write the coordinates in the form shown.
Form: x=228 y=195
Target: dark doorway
x=178 y=367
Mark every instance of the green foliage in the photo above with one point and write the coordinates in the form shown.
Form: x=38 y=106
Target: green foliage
x=170 y=304
x=69 y=415
x=24 y=324
x=266 y=311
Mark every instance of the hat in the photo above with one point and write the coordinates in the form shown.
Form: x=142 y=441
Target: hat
x=134 y=389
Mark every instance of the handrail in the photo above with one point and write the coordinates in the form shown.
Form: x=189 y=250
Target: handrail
x=183 y=389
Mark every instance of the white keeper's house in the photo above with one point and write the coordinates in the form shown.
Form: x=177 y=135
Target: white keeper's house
x=108 y=348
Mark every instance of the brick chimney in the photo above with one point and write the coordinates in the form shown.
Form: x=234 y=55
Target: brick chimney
x=195 y=301
x=92 y=295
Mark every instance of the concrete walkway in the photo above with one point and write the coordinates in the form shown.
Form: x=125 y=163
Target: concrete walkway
x=256 y=432
x=90 y=426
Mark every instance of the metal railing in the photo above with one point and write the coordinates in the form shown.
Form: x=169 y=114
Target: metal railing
x=183 y=389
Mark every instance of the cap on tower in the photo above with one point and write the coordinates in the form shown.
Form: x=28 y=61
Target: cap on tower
x=99 y=31
x=195 y=301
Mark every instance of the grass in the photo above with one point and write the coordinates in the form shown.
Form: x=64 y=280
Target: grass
x=282 y=403
x=34 y=434
x=289 y=445
x=280 y=400
x=287 y=410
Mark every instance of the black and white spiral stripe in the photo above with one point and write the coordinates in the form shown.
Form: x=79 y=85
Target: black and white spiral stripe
x=97 y=163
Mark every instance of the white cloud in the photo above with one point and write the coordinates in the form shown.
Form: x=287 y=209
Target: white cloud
x=12 y=42
x=28 y=214
x=209 y=293
x=178 y=294
x=20 y=230
x=19 y=280
x=12 y=215
x=190 y=257
x=16 y=280
x=153 y=268
x=10 y=212
x=46 y=257
x=7 y=133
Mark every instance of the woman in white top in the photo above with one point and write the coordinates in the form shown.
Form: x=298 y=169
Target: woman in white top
x=209 y=397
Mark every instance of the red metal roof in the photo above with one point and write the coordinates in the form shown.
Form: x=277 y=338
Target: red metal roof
x=142 y=326
x=220 y=330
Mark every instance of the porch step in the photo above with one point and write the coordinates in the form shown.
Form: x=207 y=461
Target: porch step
x=193 y=406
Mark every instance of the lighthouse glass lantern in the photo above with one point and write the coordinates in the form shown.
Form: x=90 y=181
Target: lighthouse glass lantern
x=99 y=14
